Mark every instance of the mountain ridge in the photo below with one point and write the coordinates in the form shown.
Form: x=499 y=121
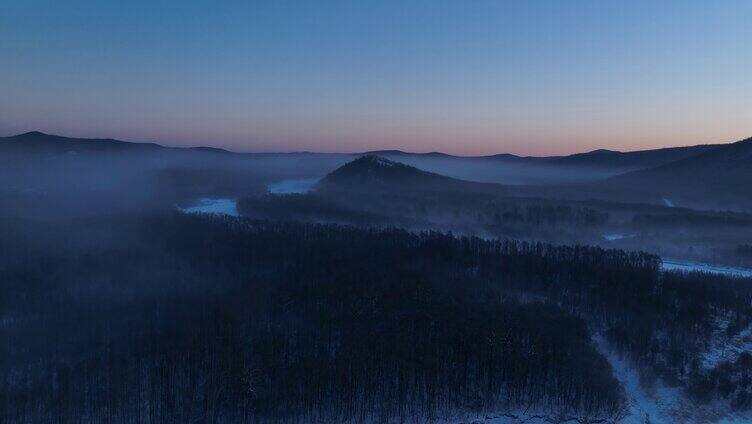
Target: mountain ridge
x=37 y=135
x=722 y=175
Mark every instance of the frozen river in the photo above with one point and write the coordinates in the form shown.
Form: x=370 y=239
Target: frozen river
x=212 y=205
x=688 y=266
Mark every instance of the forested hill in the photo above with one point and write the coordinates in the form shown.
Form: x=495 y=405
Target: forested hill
x=38 y=143
x=375 y=173
x=720 y=177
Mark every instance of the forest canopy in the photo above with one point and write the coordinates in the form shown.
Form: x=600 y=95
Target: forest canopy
x=176 y=317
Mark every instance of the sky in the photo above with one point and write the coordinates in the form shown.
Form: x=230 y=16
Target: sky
x=462 y=77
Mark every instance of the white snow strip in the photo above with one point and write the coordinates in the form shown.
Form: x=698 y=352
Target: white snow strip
x=213 y=206
x=689 y=266
x=292 y=186
x=614 y=237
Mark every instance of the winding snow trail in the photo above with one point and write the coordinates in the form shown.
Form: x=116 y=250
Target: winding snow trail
x=642 y=407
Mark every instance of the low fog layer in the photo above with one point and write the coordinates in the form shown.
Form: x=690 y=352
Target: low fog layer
x=149 y=175
x=50 y=177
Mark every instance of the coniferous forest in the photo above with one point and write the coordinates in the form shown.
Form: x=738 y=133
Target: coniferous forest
x=168 y=317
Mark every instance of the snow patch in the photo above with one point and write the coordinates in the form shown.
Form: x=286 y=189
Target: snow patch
x=724 y=348
x=668 y=203
x=383 y=162
x=614 y=237
x=207 y=205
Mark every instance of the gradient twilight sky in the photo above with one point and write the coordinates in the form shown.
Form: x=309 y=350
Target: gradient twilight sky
x=463 y=77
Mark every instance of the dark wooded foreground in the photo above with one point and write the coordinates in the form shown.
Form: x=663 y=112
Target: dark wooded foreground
x=174 y=318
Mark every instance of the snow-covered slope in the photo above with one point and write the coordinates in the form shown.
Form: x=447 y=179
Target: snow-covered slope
x=660 y=404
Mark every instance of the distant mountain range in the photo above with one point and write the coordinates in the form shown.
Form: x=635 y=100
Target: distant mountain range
x=601 y=158
x=712 y=164
x=713 y=176
x=704 y=176
x=36 y=141
x=640 y=159
x=722 y=174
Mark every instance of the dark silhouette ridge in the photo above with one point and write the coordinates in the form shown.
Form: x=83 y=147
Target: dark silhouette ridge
x=596 y=158
x=722 y=174
x=641 y=159
x=39 y=142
